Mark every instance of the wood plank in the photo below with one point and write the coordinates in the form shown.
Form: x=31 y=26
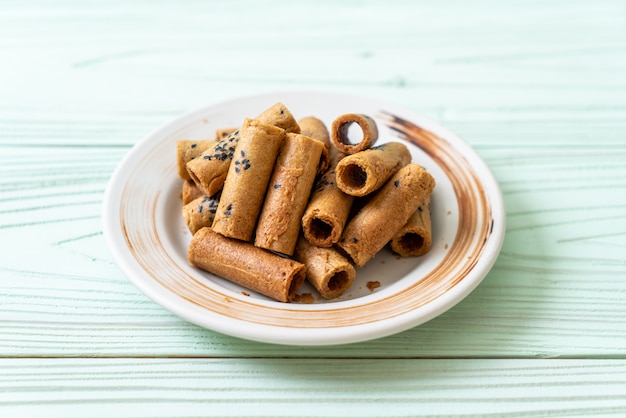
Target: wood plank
x=310 y=387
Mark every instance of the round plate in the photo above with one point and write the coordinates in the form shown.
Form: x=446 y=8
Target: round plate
x=148 y=238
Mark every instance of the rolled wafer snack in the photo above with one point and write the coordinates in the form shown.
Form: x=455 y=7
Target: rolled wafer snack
x=388 y=211
x=190 y=192
x=313 y=127
x=246 y=265
x=200 y=212
x=339 y=133
x=222 y=133
x=362 y=173
x=326 y=269
x=288 y=193
x=279 y=116
x=187 y=150
x=415 y=238
x=328 y=209
x=209 y=169
x=247 y=180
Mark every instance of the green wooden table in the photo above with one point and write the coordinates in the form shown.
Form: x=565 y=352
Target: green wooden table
x=538 y=89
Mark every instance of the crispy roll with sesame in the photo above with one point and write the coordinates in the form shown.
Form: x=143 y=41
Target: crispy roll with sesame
x=328 y=209
x=190 y=192
x=326 y=269
x=247 y=180
x=246 y=265
x=288 y=193
x=415 y=238
x=366 y=171
x=223 y=133
x=187 y=150
x=340 y=128
x=316 y=129
x=388 y=211
x=208 y=170
x=200 y=212
x=278 y=115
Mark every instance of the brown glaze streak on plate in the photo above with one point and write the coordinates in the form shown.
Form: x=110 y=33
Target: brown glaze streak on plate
x=474 y=209
x=140 y=223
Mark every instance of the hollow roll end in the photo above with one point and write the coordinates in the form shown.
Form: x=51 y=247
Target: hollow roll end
x=321 y=231
x=352 y=178
x=339 y=133
x=329 y=271
x=336 y=283
x=412 y=243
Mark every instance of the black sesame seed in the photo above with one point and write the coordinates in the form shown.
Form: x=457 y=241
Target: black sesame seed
x=277 y=186
x=193 y=145
x=396 y=183
x=355 y=240
x=228 y=209
x=200 y=209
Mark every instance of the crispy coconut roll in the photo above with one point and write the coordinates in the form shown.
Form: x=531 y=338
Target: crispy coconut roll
x=415 y=238
x=200 y=212
x=247 y=180
x=222 y=133
x=208 y=170
x=388 y=211
x=339 y=133
x=316 y=129
x=326 y=269
x=246 y=265
x=366 y=171
x=288 y=193
x=187 y=150
x=328 y=209
x=190 y=192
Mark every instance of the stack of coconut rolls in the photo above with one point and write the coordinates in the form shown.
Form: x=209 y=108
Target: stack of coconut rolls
x=273 y=202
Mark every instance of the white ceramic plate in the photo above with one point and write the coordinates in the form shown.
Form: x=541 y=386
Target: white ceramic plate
x=147 y=236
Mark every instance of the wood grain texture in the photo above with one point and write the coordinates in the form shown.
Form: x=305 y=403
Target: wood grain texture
x=537 y=88
x=314 y=388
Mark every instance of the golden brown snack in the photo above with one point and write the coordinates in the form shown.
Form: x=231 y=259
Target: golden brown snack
x=288 y=193
x=328 y=209
x=314 y=128
x=223 y=133
x=190 y=192
x=415 y=238
x=279 y=116
x=326 y=269
x=246 y=265
x=187 y=150
x=339 y=133
x=247 y=180
x=364 y=172
x=388 y=211
x=200 y=212
x=208 y=170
